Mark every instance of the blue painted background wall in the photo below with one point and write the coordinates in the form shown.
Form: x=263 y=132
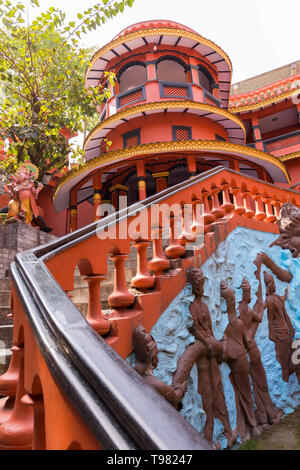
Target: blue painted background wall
x=232 y=261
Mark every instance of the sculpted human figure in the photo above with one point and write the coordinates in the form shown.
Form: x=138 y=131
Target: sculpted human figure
x=205 y=352
x=265 y=413
x=23 y=192
x=146 y=354
x=281 y=330
x=289 y=227
x=236 y=345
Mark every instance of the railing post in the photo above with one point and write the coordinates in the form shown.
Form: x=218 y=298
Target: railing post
x=94 y=313
x=268 y=205
x=216 y=210
x=276 y=204
x=197 y=226
x=187 y=235
x=121 y=297
x=9 y=380
x=143 y=279
x=227 y=205
x=208 y=217
x=36 y=402
x=159 y=263
x=259 y=208
x=247 y=204
x=239 y=209
x=175 y=248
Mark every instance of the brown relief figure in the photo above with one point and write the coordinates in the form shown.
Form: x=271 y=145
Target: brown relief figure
x=146 y=354
x=266 y=413
x=235 y=354
x=281 y=330
x=205 y=352
x=289 y=227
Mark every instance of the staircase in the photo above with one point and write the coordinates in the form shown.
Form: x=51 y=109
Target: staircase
x=6 y=323
x=75 y=367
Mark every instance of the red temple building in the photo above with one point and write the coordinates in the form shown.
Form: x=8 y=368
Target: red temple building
x=81 y=305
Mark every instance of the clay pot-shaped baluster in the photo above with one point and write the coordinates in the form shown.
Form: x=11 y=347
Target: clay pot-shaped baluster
x=120 y=298
x=175 y=248
x=143 y=279
x=259 y=207
x=208 y=217
x=276 y=205
x=269 y=210
x=239 y=208
x=9 y=380
x=227 y=205
x=198 y=222
x=216 y=210
x=16 y=433
x=247 y=204
x=187 y=234
x=94 y=313
x=159 y=263
x=36 y=402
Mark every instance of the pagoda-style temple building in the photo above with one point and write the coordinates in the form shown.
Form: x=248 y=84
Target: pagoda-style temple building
x=171 y=115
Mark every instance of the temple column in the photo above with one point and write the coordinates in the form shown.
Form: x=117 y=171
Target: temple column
x=73 y=211
x=216 y=91
x=116 y=191
x=161 y=180
x=191 y=164
x=141 y=177
x=97 y=196
x=257 y=134
x=234 y=165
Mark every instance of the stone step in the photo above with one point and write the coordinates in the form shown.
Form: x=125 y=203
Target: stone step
x=3 y=315
x=5 y=283
x=4 y=297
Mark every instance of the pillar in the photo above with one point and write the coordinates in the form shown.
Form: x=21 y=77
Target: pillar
x=257 y=134
x=216 y=91
x=191 y=164
x=94 y=313
x=121 y=297
x=141 y=177
x=116 y=191
x=97 y=184
x=161 y=180
x=73 y=211
x=234 y=165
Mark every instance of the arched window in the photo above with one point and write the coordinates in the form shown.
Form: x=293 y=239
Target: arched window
x=206 y=79
x=169 y=69
x=132 y=76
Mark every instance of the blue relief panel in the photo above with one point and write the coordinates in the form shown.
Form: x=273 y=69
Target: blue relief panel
x=232 y=261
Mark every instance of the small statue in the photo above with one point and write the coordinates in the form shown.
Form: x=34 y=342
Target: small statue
x=236 y=346
x=146 y=354
x=23 y=195
x=205 y=352
x=266 y=413
x=281 y=330
x=289 y=227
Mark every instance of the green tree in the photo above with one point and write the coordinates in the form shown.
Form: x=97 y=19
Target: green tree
x=42 y=72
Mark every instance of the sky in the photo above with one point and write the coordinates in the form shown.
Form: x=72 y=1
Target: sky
x=257 y=35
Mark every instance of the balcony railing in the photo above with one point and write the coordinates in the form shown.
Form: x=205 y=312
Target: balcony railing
x=130 y=97
x=175 y=90
x=211 y=99
x=286 y=140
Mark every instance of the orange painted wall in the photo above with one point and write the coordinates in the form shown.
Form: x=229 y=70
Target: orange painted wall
x=158 y=128
x=85 y=214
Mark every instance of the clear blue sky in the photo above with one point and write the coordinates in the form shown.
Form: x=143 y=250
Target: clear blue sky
x=258 y=35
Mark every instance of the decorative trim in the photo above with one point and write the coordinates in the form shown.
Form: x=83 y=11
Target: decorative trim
x=184 y=128
x=133 y=133
x=262 y=104
x=118 y=186
x=128 y=93
x=289 y=156
x=155 y=32
x=164 y=147
x=163 y=174
x=163 y=105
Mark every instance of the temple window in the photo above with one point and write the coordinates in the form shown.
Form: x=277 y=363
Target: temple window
x=205 y=78
x=171 y=70
x=132 y=138
x=132 y=76
x=181 y=133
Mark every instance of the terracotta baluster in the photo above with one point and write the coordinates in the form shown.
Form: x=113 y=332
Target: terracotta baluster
x=175 y=248
x=269 y=211
x=227 y=205
x=143 y=279
x=120 y=298
x=159 y=263
x=239 y=209
x=198 y=222
x=276 y=204
x=216 y=210
x=208 y=217
x=16 y=433
x=36 y=403
x=9 y=380
x=259 y=207
x=247 y=204
x=94 y=313
x=187 y=234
